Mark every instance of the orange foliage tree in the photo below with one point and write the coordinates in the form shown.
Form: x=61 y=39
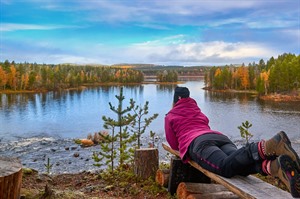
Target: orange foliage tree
x=12 y=77
x=3 y=78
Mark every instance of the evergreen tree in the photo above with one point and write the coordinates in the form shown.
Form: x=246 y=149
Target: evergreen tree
x=124 y=118
x=107 y=146
x=139 y=124
x=244 y=130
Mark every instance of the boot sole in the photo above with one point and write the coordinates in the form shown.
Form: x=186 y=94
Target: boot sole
x=291 y=174
x=291 y=150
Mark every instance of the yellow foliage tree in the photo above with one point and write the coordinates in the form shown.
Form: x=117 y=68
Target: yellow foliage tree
x=265 y=78
x=218 y=72
x=25 y=81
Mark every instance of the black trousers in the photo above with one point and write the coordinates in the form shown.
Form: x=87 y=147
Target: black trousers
x=218 y=154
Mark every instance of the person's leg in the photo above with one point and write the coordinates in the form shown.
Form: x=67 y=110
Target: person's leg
x=278 y=145
x=218 y=154
x=283 y=167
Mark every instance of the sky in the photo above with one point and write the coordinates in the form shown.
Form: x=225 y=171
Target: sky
x=164 y=32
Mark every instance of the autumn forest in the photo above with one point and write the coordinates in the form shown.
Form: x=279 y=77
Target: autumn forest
x=277 y=75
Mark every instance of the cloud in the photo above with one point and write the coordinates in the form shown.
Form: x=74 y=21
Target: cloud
x=167 y=51
x=43 y=53
x=181 y=32
x=215 y=52
x=17 y=26
x=154 y=26
x=162 y=15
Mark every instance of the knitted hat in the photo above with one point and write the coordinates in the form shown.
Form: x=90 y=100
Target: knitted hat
x=183 y=92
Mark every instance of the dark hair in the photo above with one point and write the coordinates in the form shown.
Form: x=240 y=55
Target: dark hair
x=182 y=92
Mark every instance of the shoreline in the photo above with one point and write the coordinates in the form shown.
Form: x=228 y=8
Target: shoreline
x=85 y=86
x=276 y=97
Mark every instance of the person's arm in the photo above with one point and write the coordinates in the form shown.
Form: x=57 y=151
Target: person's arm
x=170 y=135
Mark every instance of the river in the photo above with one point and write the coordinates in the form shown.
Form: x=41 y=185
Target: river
x=36 y=126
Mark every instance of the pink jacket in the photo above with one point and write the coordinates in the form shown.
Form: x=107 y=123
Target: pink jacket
x=184 y=123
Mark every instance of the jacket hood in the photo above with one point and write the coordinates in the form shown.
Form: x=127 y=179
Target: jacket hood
x=184 y=106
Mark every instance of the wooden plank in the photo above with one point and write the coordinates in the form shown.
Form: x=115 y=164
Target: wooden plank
x=245 y=187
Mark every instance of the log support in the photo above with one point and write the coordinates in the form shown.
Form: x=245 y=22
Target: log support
x=181 y=172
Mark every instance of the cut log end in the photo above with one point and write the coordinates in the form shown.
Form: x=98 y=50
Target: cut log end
x=162 y=177
x=202 y=190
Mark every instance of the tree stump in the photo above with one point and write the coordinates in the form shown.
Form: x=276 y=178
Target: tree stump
x=162 y=177
x=10 y=178
x=146 y=162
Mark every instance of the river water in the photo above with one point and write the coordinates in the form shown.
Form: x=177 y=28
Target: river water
x=36 y=126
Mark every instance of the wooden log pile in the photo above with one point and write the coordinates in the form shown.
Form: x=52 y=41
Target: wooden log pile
x=162 y=177
x=192 y=190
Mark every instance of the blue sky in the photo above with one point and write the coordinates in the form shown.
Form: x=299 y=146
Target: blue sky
x=167 y=32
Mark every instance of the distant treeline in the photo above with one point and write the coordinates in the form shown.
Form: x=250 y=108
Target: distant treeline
x=276 y=76
x=33 y=76
x=153 y=70
x=28 y=76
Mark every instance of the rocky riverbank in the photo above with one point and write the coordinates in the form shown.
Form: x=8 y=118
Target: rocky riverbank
x=64 y=155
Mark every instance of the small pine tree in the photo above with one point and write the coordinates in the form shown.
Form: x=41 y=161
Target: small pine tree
x=107 y=145
x=244 y=130
x=123 y=136
x=48 y=166
x=139 y=124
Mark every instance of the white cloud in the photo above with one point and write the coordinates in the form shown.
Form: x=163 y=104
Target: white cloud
x=196 y=53
x=73 y=59
x=175 y=39
x=17 y=26
x=154 y=26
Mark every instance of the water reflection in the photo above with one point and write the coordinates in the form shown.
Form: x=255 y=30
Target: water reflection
x=289 y=108
x=227 y=97
x=75 y=113
x=166 y=88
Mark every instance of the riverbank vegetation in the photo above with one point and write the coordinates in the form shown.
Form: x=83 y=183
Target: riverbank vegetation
x=33 y=77
x=279 y=75
x=43 y=77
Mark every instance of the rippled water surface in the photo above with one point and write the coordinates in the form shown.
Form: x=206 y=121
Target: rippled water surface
x=73 y=114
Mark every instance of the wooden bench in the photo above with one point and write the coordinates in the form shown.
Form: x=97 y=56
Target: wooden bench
x=244 y=187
